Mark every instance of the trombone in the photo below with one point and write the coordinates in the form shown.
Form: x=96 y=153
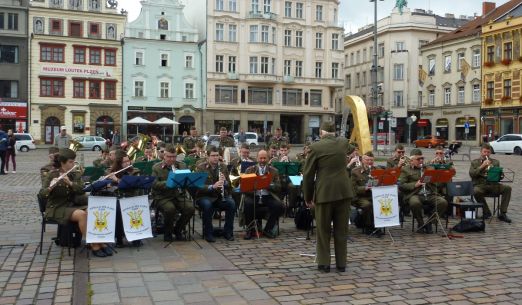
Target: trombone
x=55 y=181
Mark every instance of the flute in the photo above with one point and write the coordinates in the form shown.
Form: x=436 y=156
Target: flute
x=115 y=173
x=56 y=180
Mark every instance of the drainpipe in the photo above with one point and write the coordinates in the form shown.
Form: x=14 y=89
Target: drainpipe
x=200 y=45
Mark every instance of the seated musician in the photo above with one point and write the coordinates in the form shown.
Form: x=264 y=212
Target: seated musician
x=419 y=195
x=235 y=168
x=439 y=157
x=478 y=171
x=190 y=142
x=363 y=189
x=263 y=198
x=398 y=159
x=63 y=205
x=273 y=154
x=161 y=150
x=44 y=170
x=302 y=155
x=284 y=150
x=104 y=155
x=170 y=200
x=353 y=160
x=216 y=195
x=147 y=156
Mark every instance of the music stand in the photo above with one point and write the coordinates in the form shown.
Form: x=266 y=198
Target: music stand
x=436 y=176
x=97 y=185
x=185 y=179
x=287 y=169
x=245 y=165
x=385 y=177
x=252 y=183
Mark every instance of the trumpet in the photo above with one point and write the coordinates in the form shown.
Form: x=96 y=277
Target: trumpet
x=371 y=179
x=489 y=165
x=405 y=160
x=423 y=191
x=55 y=181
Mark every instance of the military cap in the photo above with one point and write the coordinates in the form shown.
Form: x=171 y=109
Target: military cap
x=416 y=152
x=67 y=153
x=328 y=126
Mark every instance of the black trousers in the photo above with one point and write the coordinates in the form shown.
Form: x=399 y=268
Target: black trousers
x=264 y=204
x=2 y=159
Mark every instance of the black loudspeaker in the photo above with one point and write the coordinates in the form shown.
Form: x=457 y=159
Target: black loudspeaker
x=243 y=96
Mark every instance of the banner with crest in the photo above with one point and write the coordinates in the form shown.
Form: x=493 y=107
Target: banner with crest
x=101 y=219
x=385 y=206
x=135 y=214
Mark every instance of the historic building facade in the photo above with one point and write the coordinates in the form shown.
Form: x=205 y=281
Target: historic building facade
x=13 y=65
x=273 y=64
x=75 y=68
x=399 y=38
x=502 y=63
x=163 y=70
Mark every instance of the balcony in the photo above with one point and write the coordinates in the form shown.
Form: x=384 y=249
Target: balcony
x=259 y=78
x=233 y=76
x=288 y=79
x=261 y=15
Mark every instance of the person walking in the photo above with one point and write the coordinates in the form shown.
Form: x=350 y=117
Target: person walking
x=241 y=138
x=3 y=149
x=10 y=151
x=327 y=186
x=116 y=139
x=62 y=139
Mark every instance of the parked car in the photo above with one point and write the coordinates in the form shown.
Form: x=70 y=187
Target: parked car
x=251 y=138
x=430 y=141
x=92 y=142
x=24 y=142
x=508 y=144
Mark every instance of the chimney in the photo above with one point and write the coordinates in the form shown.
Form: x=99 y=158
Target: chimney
x=487 y=7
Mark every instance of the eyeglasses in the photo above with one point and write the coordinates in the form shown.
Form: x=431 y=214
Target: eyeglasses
x=401 y=151
x=418 y=158
x=439 y=153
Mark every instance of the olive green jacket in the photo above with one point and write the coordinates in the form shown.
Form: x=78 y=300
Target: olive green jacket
x=213 y=177
x=325 y=178
x=160 y=191
x=190 y=142
x=478 y=175
x=408 y=178
x=275 y=185
x=360 y=177
x=392 y=162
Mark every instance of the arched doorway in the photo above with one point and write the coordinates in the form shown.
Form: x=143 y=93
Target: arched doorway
x=104 y=126
x=185 y=122
x=52 y=129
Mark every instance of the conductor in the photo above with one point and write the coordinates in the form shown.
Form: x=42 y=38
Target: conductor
x=327 y=186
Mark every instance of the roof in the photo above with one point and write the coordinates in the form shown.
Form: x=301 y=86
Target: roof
x=474 y=27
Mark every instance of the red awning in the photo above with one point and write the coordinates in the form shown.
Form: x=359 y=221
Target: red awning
x=423 y=122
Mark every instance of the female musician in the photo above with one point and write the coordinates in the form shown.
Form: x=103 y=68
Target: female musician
x=61 y=187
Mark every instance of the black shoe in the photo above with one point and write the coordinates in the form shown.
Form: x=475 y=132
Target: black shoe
x=107 y=251
x=269 y=234
x=487 y=215
x=210 y=238
x=428 y=229
x=99 y=253
x=179 y=235
x=2 y=173
x=168 y=237
x=341 y=269
x=249 y=234
x=120 y=244
x=229 y=236
x=503 y=217
x=323 y=268
x=137 y=243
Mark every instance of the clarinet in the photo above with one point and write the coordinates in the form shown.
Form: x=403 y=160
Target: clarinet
x=223 y=198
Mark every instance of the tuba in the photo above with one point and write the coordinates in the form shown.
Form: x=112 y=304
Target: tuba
x=406 y=160
x=132 y=152
x=75 y=145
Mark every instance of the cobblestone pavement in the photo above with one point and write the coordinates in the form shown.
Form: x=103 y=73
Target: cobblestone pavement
x=480 y=268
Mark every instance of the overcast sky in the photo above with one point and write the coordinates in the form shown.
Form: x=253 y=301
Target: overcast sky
x=364 y=9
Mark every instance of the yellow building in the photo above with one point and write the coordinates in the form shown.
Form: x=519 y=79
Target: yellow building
x=501 y=64
x=75 y=67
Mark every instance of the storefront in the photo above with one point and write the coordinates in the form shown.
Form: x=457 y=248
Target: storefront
x=498 y=122
x=423 y=127
x=441 y=128
x=466 y=129
x=459 y=124
x=13 y=115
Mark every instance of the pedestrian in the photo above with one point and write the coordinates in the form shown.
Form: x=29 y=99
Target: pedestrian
x=241 y=137
x=10 y=151
x=62 y=139
x=3 y=149
x=116 y=140
x=328 y=188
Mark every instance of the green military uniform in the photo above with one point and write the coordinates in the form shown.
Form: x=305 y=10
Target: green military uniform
x=277 y=141
x=44 y=171
x=189 y=142
x=226 y=141
x=327 y=183
x=482 y=187
x=408 y=178
x=170 y=200
x=363 y=200
x=393 y=162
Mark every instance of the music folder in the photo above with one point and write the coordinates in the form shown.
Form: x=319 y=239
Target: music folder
x=387 y=176
x=245 y=165
x=97 y=185
x=253 y=182
x=182 y=178
x=287 y=168
x=141 y=182
x=296 y=180
x=437 y=175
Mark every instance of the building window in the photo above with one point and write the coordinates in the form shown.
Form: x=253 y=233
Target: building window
x=298 y=68
x=232 y=32
x=335 y=70
x=431 y=67
x=364 y=78
x=398 y=71
x=292 y=97
x=267 y=6
x=318 y=40
x=419 y=99
x=75 y=29
x=226 y=94
x=260 y=96
x=399 y=46
x=8 y=89
x=8 y=54
x=460 y=97
x=274 y=35
x=508 y=51
x=299 y=10
x=94 y=30
x=253 y=33
x=318 y=13
x=52 y=87
x=358 y=58
x=287 y=67
x=476 y=93
x=139 y=87
x=476 y=59
x=398 y=99
x=219 y=5
x=318 y=69
x=460 y=61
x=381 y=50
x=253 y=64
x=219 y=63
x=79 y=54
x=220 y=29
x=95 y=56
x=447 y=96
x=447 y=64
x=348 y=81
x=264 y=65
x=298 y=39
x=422 y=43
x=189 y=62
x=232 y=5
x=507 y=88
x=490 y=90
x=357 y=79
x=189 y=90
x=431 y=98
x=110 y=90
x=255 y=6
x=164 y=89
x=490 y=54
x=264 y=33
x=232 y=64
x=56 y=27
x=288 y=38
x=139 y=59
x=110 y=57
x=364 y=55
x=335 y=41
x=51 y=53
x=2 y=20
x=288 y=9
x=94 y=89
x=316 y=98
x=12 y=21
x=164 y=60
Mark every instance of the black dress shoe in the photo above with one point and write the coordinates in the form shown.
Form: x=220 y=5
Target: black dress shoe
x=487 y=215
x=269 y=234
x=179 y=236
x=107 y=251
x=249 y=235
x=137 y=243
x=341 y=269
x=503 y=217
x=428 y=229
x=323 y=268
x=168 y=237
x=209 y=238
x=228 y=236
x=99 y=253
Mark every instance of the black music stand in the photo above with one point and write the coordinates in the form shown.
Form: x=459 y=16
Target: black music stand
x=253 y=183
x=183 y=180
x=287 y=169
x=436 y=176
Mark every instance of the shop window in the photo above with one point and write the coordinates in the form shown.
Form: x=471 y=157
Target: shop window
x=460 y=130
x=78 y=122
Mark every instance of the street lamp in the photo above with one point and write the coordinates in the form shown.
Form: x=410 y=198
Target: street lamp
x=374 y=74
x=410 y=121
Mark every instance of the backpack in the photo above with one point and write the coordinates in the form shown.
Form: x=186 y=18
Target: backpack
x=470 y=225
x=68 y=235
x=303 y=218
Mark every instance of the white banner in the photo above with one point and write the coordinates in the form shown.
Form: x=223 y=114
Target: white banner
x=385 y=206
x=135 y=214
x=77 y=71
x=101 y=219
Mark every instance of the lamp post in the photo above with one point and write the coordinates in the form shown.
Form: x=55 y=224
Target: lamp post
x=374 y=74
x=410 y=120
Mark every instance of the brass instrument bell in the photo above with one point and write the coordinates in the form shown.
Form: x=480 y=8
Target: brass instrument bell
x=142 y=142
x=180 y=149
x=75 y=145
x=132 y=152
